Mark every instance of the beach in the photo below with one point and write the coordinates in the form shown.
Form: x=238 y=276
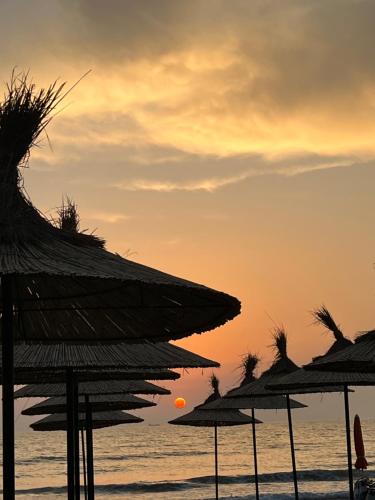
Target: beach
x=166 y=462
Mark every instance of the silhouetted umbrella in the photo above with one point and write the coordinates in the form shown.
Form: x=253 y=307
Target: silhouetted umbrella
x=201 y=417
x=92 y=388
x=98 y=403
x=357 y=358
x=37 y=357
x=56 y=286
x=270 y=402
x=100 y=420
x=58 y=376
x=281 y=366
x=303 y=381
x=88 y=406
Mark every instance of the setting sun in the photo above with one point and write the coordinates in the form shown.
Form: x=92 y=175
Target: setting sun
x=180 y=403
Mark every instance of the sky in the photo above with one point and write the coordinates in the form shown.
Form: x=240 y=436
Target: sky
x=230 y=143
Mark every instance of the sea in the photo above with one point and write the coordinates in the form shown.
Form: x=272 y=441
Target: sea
x=156 y=462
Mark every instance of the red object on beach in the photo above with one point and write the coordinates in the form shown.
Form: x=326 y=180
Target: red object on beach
x=361 y=462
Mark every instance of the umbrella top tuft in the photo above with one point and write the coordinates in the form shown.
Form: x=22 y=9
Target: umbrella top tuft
x=280 y=343
x=323 y=317
x=68 y=221
x=248 y=365
x=24 y=114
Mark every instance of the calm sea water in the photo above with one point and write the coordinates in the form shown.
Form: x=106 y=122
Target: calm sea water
x=154 y=462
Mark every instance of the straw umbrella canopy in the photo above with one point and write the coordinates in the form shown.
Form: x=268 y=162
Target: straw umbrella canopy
x=98 y=403
x=93 y=397
x=305 y=382
x=201 y=417
x=281 y=365
x=271 y=402
x=59 y=287
x=55 y=356
x=58 y=421
x=93 y=357
x=357 y=358
x=99 y=387
x=109 y=387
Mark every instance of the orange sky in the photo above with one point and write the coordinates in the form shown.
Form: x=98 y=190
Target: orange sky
x=230 y=143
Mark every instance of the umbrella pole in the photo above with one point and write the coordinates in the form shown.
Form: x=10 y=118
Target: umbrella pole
x=77 y=478
x=8 y=389
x=70 y=432
x=84 y=461
x=255 y=455
x=348 y=442
x=291 y=438
x=216 y=466
x=90 y=451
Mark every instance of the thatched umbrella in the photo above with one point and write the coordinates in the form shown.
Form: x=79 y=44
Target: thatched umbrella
x=88 y=390
x=58 y=422
x=281 y=365
x=201 y=417
x=56 y=287
x=57 y=377
x=89 y=405
x=305 y=382
x=98 y=403
x=44 y=357
x=357 y=358
x=270 y=402
x=99 y=387
x=26 y=376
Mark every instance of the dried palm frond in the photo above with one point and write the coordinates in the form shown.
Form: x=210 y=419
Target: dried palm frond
x=280 y=343
x=324 y=317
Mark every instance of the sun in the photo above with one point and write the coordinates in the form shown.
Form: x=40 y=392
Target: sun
x=179 y=403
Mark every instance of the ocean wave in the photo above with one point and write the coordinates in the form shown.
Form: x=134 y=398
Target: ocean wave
x=337 y=495
x=203 y=481
x=281 y=477
x=150 y=456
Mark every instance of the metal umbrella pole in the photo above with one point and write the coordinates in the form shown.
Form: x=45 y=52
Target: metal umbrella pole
x=255 y=455
x=9 y=489
x=70 y=435
x=90 y=451
x=84 y=462
x=77 y=478
x=348 y=442
x=216 y=466
x=290 y=425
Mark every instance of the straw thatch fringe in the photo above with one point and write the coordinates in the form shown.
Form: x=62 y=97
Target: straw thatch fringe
x=57 y=422
x=358 y=357
x=306 y=382
x=120 y=356
x=97 y=403
x=260 y=403
x=25 y=376
x=211 y=418
x=92 y=389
